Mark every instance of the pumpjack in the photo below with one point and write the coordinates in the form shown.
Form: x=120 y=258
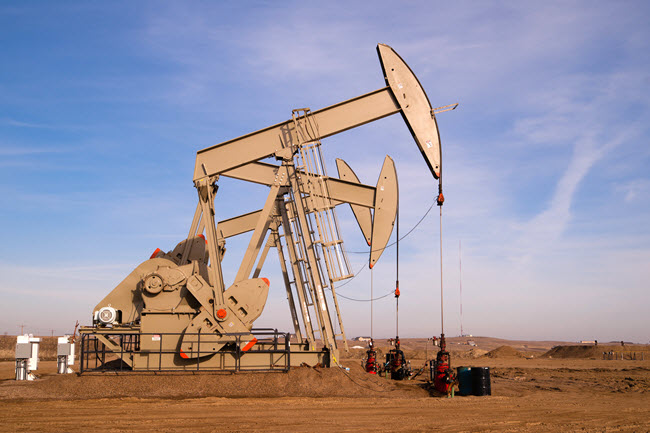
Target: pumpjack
x=175 y=311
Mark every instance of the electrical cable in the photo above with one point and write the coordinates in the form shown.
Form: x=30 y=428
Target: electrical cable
x=390 y=245
x=408 y=233
x=365 y=300
x=353 y=277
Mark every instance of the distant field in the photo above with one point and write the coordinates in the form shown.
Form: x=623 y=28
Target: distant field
x=416 y=348
x=46 y=350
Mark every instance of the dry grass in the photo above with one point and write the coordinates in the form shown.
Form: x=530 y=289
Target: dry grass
x=46 y=350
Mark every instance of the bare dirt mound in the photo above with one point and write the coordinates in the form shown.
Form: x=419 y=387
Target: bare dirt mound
x=298 y=382
x=575 y=352
x=473 y=353
x=476 y=352
x=596 y=351
x=504 y=352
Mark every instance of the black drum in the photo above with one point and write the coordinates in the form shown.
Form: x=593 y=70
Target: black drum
x=481 y=381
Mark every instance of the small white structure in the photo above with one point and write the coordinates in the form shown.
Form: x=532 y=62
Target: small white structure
x=64 y=355
x=26 y=356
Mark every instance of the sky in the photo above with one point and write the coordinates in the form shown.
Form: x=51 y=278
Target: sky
x=103 y=106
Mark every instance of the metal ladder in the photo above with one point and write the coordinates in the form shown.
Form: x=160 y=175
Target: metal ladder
x=332 y=261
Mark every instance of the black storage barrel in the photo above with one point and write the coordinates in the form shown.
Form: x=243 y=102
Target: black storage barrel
x=464 y=377
x=481 y=381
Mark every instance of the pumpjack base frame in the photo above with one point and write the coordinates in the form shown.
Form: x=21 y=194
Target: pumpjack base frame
x=127 y=349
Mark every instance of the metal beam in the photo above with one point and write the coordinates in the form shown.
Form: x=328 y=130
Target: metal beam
x=261 y=227
x=299 y=281
x=238 y=225
x=266 y=142
x=317 y=292
x=339 y=190
x=206 y=192
x=275 y=237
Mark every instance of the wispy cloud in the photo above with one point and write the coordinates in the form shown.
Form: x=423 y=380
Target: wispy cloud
x=29 y=150
x=547 y=227
x=635 y=190
x=22 y=124
x=69 y=272
x=545 y=162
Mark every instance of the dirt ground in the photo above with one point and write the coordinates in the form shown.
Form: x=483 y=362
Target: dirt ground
x=528 y=394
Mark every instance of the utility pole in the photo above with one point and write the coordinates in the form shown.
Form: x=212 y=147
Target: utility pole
x=22 y=327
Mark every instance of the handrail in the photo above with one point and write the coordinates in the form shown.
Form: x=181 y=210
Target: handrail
x=266 y=336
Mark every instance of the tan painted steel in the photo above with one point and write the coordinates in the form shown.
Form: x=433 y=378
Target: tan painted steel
x=362 y=215
x=387 y=199
x=297 y=266
x=341 y=190
x=245 y=301
x=415 y=106
x=261 y=229
x=183 y=291
x=403 y=94
x=275 y=238
x=269 y=141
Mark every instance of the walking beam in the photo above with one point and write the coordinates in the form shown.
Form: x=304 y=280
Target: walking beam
x=402 y=94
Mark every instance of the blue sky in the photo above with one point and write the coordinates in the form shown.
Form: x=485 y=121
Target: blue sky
x=103 y=106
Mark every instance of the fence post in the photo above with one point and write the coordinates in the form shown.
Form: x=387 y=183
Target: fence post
x=287 y=344
x=121 y=352
x=81 y=361
x=104 y=356
x=198 y=350
x=237 y=352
